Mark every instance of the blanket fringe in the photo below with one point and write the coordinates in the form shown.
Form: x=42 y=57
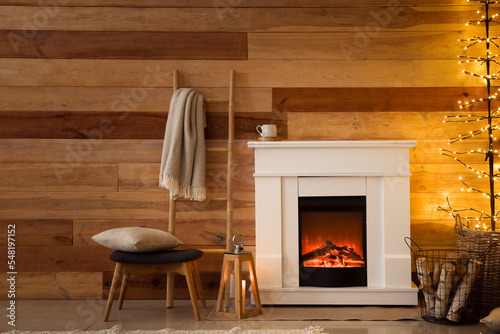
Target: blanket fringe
x=177 y=191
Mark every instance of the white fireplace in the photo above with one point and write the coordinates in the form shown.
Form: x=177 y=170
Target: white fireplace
x=379 y=170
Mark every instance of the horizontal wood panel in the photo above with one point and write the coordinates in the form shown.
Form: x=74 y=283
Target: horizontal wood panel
x=200 y=233
x=60 y=259
x=83 y=125
x=374 y=126
x=444 y=178
x=123 y=205
x=144 y=177
x=225 y=7
x=57 y=285
x=372 y=99
x=250 y=73
x=37 y=232
x=122 y=45
x=237 y=19
x=44 y=177
x=369 y=43
x=429 y=151
x=146 y=97
x=423 y=205
x=89 y=99
x=61 y=153
x=425 y=234
x=98 y=126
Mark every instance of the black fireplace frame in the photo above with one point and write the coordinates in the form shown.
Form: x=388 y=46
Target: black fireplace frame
x=333 y=277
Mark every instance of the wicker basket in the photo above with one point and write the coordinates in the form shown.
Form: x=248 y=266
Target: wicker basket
x=479 y=241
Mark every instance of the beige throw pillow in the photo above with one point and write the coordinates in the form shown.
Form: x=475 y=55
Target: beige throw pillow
x=493 y=320
x=137 y=239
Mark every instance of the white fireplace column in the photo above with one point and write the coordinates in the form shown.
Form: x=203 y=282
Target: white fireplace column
x=379 y=170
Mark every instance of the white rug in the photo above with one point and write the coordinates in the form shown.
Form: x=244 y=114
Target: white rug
x=236 y=330
x=327 y=313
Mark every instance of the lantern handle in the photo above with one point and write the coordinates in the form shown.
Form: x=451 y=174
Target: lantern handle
x=241 y=237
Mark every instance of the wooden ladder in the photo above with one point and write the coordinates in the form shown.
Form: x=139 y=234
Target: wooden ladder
x=229 y=177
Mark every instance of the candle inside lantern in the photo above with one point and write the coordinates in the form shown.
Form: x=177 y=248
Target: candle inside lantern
x=243 y=291
x=231 y=286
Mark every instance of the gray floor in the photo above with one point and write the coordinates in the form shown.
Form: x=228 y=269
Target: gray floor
x=57 y=315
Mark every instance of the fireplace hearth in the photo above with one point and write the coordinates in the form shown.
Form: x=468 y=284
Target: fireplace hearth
x=291 y=176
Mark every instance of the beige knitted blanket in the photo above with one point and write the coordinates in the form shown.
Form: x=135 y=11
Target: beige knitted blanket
x=183 y=159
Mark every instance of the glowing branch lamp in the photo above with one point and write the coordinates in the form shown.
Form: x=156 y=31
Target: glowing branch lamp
x=488 y=122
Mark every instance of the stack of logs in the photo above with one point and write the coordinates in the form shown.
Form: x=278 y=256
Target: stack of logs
x=447 y=288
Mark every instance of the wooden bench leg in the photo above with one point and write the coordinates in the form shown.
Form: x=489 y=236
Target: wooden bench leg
x=170 y=290
x=116 y=278
x=123 y=290
x=199 y=287
x=188 y=273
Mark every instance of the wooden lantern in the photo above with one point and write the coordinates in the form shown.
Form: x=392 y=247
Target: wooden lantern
x=237 y=308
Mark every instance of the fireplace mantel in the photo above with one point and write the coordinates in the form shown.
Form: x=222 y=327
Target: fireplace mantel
x=379 y=170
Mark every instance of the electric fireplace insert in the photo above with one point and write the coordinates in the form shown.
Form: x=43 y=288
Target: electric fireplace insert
x=332 y=237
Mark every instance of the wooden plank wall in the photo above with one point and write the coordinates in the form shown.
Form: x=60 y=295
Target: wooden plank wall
x=85 y=87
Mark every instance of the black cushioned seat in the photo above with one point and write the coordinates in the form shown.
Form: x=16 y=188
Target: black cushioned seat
x=181 y=261
x=164 y=257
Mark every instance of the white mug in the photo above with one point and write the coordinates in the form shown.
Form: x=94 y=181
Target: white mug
x=267 y=130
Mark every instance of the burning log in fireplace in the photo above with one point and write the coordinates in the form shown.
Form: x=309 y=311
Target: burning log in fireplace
x=331 y=255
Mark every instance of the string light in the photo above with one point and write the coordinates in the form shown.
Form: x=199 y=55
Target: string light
x=486 y=129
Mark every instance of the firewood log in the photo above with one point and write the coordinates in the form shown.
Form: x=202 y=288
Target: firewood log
x=436 y=273
x=321 y=251
x=344 y=252
x=444 y=288
x=451 y=256
x=460 y=271
x=426 y=285
x=463 y=292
